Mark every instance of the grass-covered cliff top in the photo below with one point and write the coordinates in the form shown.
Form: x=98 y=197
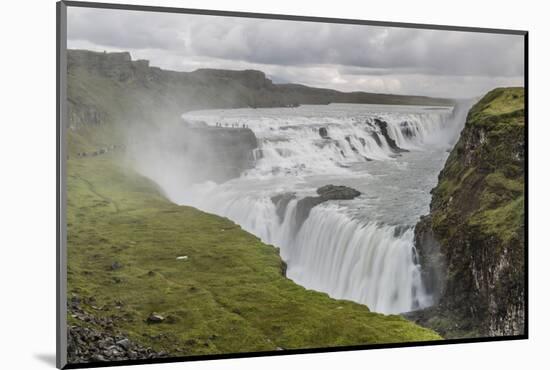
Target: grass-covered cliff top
x=483 y=179
x=225 y=293
x=505 y=105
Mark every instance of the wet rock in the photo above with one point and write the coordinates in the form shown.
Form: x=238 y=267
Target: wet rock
x=283 y=268
x=383 y=126
x=326 y=193
x=376 y=138
x=281 y=202
x=407 y=129
x=353 y=148
x=335 y=192
x=323 y=132
x=303 y=208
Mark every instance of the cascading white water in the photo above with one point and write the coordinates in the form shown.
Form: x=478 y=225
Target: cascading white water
x=332 y=252
x=372 y=264
x=360 y=249
x=290 y=141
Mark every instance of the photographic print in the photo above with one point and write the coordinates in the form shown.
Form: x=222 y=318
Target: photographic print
x=238 y=185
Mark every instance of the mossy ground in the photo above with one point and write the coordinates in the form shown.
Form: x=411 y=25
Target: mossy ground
x=229 y=294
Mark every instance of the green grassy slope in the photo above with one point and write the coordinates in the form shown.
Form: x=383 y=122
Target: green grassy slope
x=228 y=296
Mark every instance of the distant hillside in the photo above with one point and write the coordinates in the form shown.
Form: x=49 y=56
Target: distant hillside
x=160 y=90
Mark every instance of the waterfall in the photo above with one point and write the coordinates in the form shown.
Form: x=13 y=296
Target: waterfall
x=366 y=263
x=294 y=145
x=361 y=249
x=347 y=258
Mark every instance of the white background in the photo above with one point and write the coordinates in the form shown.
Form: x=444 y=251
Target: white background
x=27 y=195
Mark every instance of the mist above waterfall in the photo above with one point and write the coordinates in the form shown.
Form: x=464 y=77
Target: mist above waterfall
x=360 y=249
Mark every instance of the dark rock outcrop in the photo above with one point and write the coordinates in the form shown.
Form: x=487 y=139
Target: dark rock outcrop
x=472 y=244
x=337 y=192
x=221 y=153
x=281 y=202
x=383 y=126
x=406 y=129
x=326 y=193
x=376 y=138
x=323 y=132
x=353 y=148
x=304 y=205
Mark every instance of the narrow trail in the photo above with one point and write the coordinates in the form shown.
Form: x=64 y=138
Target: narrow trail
x=99 y=195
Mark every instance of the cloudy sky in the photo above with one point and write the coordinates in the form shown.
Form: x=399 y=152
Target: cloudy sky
x=342 y=57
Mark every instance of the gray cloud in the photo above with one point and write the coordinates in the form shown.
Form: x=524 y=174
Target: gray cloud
x=346 y=57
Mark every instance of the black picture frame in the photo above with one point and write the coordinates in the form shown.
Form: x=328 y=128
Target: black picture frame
x=61 y=118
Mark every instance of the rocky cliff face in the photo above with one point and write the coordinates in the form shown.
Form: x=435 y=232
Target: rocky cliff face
x=471 y=245
x=214 y=153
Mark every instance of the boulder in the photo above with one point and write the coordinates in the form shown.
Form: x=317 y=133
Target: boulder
x=337 y=192
x=326 y=193
x=124 y=343
x=154 y=318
